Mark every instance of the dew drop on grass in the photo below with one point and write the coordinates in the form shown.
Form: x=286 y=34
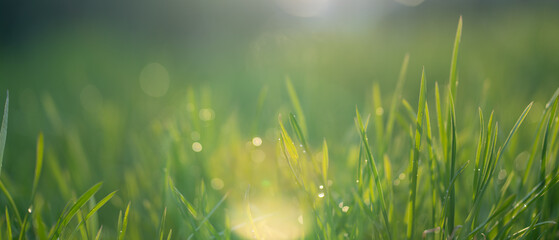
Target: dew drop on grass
x=341 y=205
x=321 y=187
x=345 y=209
x=30 y=209
x=321 y=195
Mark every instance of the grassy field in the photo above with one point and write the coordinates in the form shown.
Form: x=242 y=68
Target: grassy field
x=440 y=126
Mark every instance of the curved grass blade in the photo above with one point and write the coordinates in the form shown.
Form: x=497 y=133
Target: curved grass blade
x=66 y=217
x=396 y=98
x=124 y=223
x=296 y=104
x=373 y=169
x=452 y=79
x=4 y=130
x=414 y=157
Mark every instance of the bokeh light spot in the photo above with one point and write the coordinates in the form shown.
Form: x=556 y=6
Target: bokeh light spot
x=197 y=147
x=154 y=80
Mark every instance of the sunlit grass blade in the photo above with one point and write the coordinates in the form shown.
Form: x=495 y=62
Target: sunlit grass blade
x=207 y=217
x=98 y=236
x=378 y=118
x=67 y=216
x=396 y=96
x=94 y=209
x=122 y=230
x=452 y=79
x=414 y=158
x=432 y=165
x=451 y=161
x=8 y=224
x=4 y=130
x=296 y=105
x=161 y=230
x=300 y=135
x=373 y=169
x=38 y=165
x=440 y=122
x=513 y=130
x=526 y=230
x=11 y=201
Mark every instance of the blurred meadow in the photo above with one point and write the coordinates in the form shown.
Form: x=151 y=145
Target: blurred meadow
x=175 y=105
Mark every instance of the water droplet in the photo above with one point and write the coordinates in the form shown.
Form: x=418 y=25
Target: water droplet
x=356 y=181
x=321 y=195
x=321 y=187
x=30 y=209
x=345 y=209
x=341 y=205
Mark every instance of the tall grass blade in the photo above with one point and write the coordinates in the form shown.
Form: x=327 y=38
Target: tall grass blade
x=373 y=169
x=452 y=79
x=122 y=230
x=397 y=95
x=296 y=105
x=414 y=157
x=66 y=217
x=4 y=130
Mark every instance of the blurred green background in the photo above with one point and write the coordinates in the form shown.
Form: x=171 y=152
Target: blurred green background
x=118 y=88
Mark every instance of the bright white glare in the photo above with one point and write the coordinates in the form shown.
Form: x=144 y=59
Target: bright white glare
x=257 y=141
x=154 y=80
x=304 y=8
x=197 y=147
x=274 y=218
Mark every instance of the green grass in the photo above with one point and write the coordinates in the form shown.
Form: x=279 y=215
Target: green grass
x=463 y=182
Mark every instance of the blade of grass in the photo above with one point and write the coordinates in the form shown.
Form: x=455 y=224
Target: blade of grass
x=122 y=230
x=452 y=79
x=396 y=98
x=414 y=157
x=296 y=105
x=66 y=217
x=4 y=130
x=373 y=169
